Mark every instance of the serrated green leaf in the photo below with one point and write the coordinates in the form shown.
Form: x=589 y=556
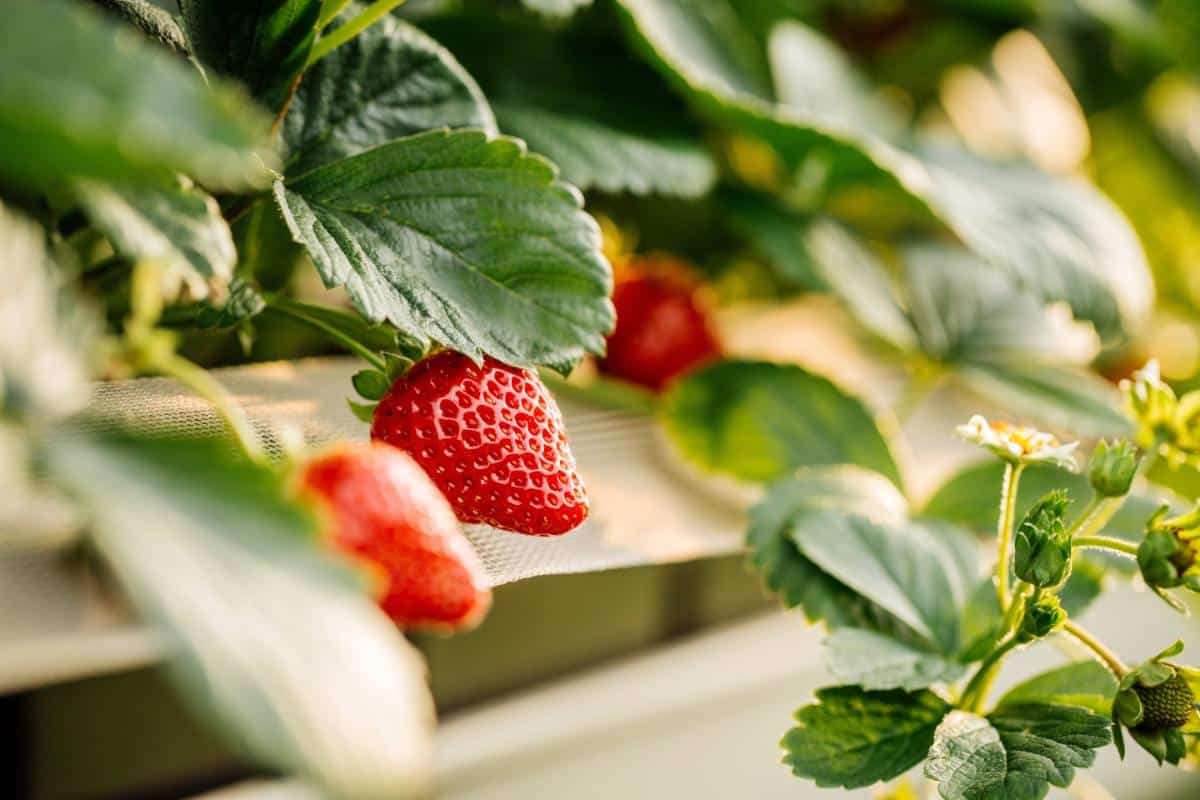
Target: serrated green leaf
x=1084 y=683
x=966 y=759
x=853 y=738
x=601 y=116
x=180 y=227
x=156 y=23
x=242 y=304
x=262 y=44
x=875 y=661
x=593 y=155
x=760 y=421
x=461 y=240
x=1044 y=745
x=273 y=641
x=1057 y=238
x=85 y=96
x=388 y=82
x=908 y=570
x=44 y=337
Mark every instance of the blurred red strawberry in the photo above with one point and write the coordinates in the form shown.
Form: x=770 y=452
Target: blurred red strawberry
x=492 y=439
x=382 y=508
x=663 y=329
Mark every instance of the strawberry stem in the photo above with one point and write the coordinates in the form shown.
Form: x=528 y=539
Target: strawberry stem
x=1107 y=543
x=296 y=312
x=1106 y=656
x=1008 y=510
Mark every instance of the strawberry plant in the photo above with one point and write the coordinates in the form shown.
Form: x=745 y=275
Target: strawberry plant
x=487 y=203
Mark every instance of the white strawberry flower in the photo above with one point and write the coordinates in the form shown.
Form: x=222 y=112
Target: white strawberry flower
x=1018 y=444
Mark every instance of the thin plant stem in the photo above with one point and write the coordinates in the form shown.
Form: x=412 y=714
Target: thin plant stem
x=347 y=31
x=201 y=381
x=976 y=691
x=1004 y=531
x=1108 y=657
x=329 y=11
x=1097 y=514
x=281 y=306
x=1107 y=543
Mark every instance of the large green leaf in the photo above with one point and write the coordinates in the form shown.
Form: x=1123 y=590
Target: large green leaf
x=44 y=337
x=180 y=227
x=776 y=234
x=263 y=43
x=459 y=239
x=851 y=737
x=909 y=570
x=876 y=661
x=86 y=96
x=1083 y=683
x=760 y=421
x=1059 y=239
x=1058 y=397
x=271 y=640
x=966 y=758
x=601 y=116
x=596 y=155
x=1044 y=744
x=386 y=83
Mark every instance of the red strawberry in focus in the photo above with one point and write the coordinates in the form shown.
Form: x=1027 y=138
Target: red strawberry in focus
x=385 y=510
x=492 y=439
x=662 y=328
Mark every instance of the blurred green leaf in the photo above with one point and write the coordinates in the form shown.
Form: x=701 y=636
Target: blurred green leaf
x=155 y=22
x=1083 y=683
x=580 y=99
x=85 y=96
x=851 y=737
x=180 y=227
x=777 y=235
x=1058 y=397
x=386 y=83
x=242 y=303
x=759 y=421
x=875 y=661
x=262 y=44
x=556 y=8
x=271 y=640
x=454 y=238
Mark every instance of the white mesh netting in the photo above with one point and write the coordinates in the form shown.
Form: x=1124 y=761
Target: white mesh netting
x=642 y=512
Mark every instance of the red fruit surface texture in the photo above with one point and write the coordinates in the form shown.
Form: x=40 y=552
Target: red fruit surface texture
x=662 y=331
x=491 y=437
x=382 y=508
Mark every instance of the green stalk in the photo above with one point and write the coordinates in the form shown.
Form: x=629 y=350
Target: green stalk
x=1008 y=510
x=1108 y=657
x=329 y=11
x=201 y=381
x=976 y=691
x=1096 y=515
x=281 y=306
x=1106 y=543
x=344 y=33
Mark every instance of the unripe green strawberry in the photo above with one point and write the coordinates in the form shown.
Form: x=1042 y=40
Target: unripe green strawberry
x=1168 y=705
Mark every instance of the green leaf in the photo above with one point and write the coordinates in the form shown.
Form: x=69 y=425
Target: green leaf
x=853 y=738
x=760 y=421
x=875 y=661
x=44 y=336
x=1083 y=683
x=777 y=235
x=85 y=96
x=792 y=576
x=371 y=384
x=156 y=23
x=271 y=640
x=262 y=44
x=909 y=570
x=1045 y=743
x=556 y=8
x=601 y=116
x=458 y=239
x=1055 y=396
x=967 y=758
x=243 y=303
x=388 y=82
x=179 y=227
x=1059 y=239
x=593 y=155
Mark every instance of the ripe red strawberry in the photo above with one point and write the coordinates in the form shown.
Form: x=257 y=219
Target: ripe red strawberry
x=492 y=439
x=662 y=328
x=383 y=509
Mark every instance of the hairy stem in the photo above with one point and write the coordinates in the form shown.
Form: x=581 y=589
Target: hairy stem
x=1108 y=657
x=296 y=312
x=1096 y=515
x=344 y=33
x=1004 y=531
x=1107 y=543
x=976 y=691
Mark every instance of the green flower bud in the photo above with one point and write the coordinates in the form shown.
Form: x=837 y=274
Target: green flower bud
x=1152 y=405
x=1043 y=547
x=1113 y=467
x=1169 y=555
x=1041 y=619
